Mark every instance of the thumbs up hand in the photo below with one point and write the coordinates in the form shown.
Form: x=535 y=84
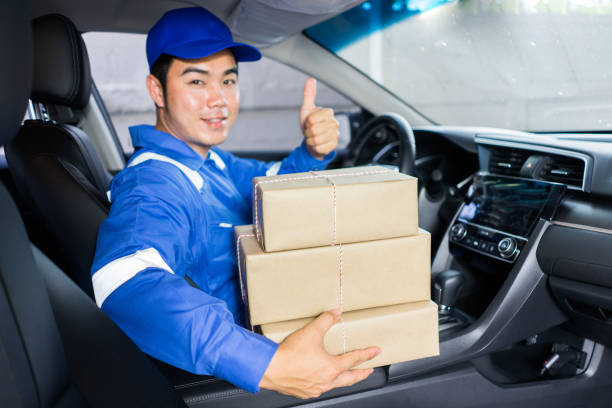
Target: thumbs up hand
x=319 y=126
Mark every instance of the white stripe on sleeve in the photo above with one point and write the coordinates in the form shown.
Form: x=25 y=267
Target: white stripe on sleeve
x=273 y=170
x=115 y=273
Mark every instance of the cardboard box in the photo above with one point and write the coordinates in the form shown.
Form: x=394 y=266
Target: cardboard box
x=297 y=210
x=403 y=332
x=306 y=282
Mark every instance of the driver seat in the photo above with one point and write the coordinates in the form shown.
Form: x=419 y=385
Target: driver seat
x=55 y=167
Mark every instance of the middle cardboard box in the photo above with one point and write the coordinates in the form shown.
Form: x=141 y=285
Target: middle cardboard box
x=289 y=285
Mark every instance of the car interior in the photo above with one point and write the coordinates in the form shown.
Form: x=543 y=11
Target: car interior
x=520 y=223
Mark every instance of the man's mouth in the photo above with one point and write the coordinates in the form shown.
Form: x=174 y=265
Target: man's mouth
x=217 y=122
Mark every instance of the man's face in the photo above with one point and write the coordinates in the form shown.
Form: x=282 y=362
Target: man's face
x=202 y=99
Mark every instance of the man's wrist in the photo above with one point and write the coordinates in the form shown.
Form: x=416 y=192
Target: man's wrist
x=247 y=367
x=319 y=156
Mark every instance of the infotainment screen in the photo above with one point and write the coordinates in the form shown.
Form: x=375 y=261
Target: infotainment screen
x=509 y=204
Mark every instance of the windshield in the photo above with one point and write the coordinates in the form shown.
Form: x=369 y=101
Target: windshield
x=536 y=65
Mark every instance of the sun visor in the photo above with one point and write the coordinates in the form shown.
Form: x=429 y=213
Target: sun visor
x=267 y=22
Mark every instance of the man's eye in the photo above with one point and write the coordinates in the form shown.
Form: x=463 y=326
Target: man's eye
x=197 y=82
x=230 y=82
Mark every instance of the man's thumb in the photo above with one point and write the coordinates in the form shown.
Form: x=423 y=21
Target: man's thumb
x=325 y=321
x=310 y=93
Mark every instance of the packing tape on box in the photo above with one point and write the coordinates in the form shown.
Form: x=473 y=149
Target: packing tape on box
x=340 y=253
x=258 y=235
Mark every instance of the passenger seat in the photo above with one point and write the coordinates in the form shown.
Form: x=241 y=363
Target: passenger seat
x=55 y=167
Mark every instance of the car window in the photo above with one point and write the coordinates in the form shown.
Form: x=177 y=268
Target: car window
x=536 y=65
x=271 y=93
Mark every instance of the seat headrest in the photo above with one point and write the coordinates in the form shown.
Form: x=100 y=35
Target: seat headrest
x=61 y=65
x=16 y=67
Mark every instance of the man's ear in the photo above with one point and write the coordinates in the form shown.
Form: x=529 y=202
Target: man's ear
x=156 y=91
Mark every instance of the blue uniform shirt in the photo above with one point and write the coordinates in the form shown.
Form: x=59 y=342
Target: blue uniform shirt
x=172 y=215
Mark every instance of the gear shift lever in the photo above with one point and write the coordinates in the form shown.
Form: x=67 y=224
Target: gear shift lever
x=447 y=285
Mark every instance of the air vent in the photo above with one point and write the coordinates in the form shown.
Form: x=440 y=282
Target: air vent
x=557 y=168
x=563 y=169
x=507 y=162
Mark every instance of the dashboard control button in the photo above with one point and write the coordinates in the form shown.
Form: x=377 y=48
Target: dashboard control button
x=491 y=248
x=485 y=233
x=475 y=243
x=507 y=247
x=483 y=245
x=458 y=232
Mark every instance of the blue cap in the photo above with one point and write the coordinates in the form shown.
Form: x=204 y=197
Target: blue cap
x=193 y=33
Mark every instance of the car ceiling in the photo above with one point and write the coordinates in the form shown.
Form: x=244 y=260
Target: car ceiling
x=260 y=22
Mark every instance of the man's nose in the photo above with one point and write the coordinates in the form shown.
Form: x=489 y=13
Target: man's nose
x=216 y=97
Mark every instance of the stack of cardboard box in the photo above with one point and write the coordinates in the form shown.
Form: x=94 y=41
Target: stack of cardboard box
x=347 y=239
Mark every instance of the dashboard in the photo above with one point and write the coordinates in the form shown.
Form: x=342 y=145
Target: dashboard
x=582 y=161
x=542 y=200
x=500 y=212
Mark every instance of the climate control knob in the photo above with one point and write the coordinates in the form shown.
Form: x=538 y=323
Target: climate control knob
x=458 y=232
x=507 y=247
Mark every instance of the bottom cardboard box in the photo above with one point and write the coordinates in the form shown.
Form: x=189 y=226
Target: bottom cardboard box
x=403 y=332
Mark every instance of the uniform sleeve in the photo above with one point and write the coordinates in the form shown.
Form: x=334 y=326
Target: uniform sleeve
x=243 y=170
x=137 y=283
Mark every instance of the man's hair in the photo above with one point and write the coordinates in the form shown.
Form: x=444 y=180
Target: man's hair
x=160 y=69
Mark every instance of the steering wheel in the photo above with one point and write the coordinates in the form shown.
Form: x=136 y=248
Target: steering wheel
x=384 y=139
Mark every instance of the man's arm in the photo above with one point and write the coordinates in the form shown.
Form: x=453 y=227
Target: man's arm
x=185 y=327
x=138 y=282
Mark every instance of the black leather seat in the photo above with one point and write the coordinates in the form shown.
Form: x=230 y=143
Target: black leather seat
x=57 y=349
x=54 y=165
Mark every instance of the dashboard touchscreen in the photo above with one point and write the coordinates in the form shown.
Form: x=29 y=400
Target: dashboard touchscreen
x=508 y=204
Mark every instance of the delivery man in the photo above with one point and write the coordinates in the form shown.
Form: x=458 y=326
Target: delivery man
x=172 y=217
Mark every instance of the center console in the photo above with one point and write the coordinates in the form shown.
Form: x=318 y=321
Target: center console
x=499 y=214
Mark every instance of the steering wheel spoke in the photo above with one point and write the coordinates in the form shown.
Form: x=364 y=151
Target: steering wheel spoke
x=389 y=154
x=395 y=133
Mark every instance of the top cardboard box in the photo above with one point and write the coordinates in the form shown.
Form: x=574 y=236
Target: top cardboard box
x=307 y=210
